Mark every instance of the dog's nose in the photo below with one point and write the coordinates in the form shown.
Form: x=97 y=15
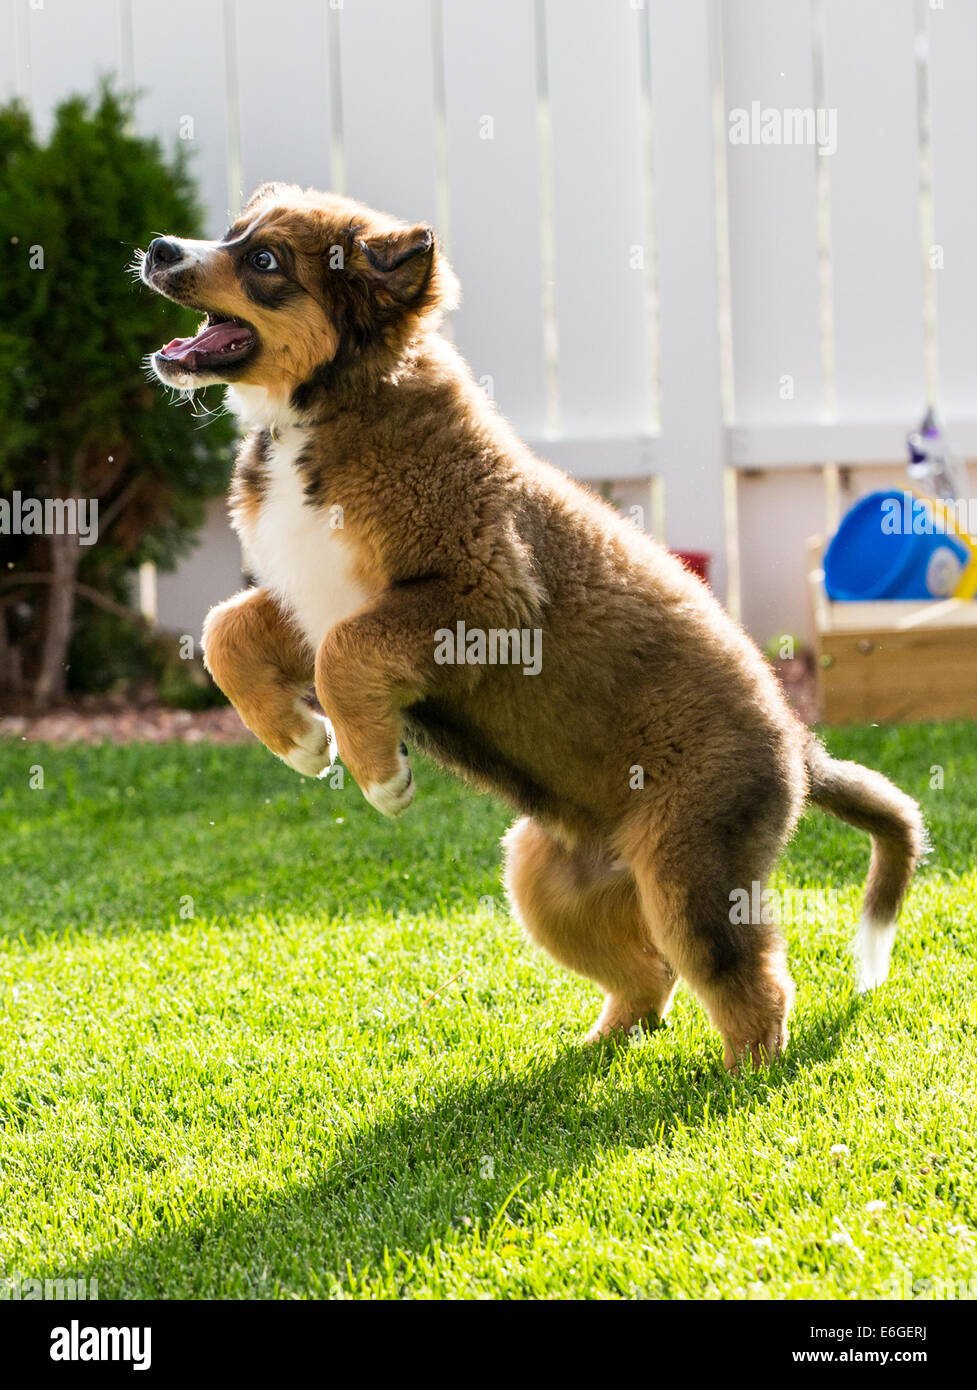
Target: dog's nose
x=163 y=252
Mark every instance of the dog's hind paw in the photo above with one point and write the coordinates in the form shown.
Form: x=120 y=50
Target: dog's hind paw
x=391 y=798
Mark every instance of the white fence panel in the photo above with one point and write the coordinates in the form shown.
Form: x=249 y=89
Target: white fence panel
x=952 y=34
x=777 y=510
x=71 y=46
x=13 y=68
x=179 y=63
x=493 y=180
x=603 y=251
x=693 y=436
x=388 y=106
x=251 y=92
x=876 y=251
x=284 y=107
x=209 y=574
x=773 y=208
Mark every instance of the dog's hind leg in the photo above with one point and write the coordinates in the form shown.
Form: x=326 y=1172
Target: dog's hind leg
x=584 y=911
x=741 y=975
x=699 y=883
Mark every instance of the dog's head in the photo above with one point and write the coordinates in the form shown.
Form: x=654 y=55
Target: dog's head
x=304 y=289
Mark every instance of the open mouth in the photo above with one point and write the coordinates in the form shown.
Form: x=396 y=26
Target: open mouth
x=218 y=343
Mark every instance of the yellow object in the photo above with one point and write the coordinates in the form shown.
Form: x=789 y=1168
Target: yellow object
x=967 y=583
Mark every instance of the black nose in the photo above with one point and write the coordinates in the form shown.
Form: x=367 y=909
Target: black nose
x=163 y=252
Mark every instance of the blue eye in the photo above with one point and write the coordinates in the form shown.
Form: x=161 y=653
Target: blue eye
x=263 y=260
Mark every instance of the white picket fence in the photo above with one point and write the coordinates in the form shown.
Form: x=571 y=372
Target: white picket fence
x=712 y=328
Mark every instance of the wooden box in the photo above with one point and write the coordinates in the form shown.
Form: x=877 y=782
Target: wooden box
x=892 y=661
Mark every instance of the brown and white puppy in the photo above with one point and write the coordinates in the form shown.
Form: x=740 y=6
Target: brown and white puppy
x=383 y=502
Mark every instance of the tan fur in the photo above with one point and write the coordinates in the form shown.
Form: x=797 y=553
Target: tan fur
x=655 y=761
x=290 y=351
x=869 y=801
x=585 y=911
x=263 y=667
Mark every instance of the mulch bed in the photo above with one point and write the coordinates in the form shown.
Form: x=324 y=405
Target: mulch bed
x=109 y=719
x=117 y=719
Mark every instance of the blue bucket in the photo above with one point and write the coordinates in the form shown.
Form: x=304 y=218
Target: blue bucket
x=892 y=545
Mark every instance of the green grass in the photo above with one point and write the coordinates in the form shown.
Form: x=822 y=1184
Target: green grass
x=339 y=1070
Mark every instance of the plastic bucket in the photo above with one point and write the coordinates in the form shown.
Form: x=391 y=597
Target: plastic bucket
x=894 y=545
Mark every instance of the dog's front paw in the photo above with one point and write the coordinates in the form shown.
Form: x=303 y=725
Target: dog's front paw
x=313 y=750
x=391 y=798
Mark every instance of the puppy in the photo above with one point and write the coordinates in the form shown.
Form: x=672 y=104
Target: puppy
x=440 y=584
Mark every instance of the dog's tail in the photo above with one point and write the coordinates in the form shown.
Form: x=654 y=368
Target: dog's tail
x=870 y=802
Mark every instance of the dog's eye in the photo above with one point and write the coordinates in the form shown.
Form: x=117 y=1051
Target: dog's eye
x=263 y=259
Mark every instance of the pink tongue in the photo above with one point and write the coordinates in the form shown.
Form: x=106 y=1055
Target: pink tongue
x=212 y=339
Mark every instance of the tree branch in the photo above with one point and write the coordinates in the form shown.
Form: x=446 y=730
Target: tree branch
x=111 y=512
x=95 y=596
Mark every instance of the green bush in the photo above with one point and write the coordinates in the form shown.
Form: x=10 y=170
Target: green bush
x=80 y=416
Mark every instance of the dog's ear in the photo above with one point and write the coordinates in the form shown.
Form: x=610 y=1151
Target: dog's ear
x=398 y=262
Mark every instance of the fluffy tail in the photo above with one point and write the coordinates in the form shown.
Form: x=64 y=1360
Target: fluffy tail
x=870 y=802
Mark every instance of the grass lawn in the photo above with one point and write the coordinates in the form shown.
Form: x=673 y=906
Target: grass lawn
x=259 y=1042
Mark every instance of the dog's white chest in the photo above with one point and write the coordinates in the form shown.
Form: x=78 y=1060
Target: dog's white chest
x=298 y=550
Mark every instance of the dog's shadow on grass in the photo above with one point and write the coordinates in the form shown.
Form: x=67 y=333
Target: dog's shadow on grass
x=444 y=1172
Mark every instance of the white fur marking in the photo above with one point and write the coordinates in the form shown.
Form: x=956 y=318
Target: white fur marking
x=315 y=751
x=195 y=252
x=873 y=951
x=295 y=552
x=255 y=408
x=392 y=798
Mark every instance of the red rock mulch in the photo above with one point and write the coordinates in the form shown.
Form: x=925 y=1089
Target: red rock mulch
x=113 y=719
x=94 y=720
